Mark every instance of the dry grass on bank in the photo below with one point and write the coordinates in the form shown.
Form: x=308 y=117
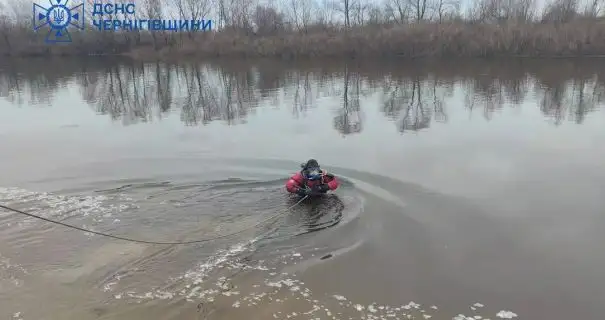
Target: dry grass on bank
x=418 y=40
x=452 y=39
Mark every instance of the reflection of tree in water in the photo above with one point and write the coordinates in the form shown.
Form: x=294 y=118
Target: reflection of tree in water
x=586 y=97
x=307 y=87
x=26 y=80
x=303 y=93
x=552 y=102
x=413 y=103
x=440 y=91
x=217 y=94
x=559 y=96
x=200 y=100
x=496 y=86
x=486 y=91
x=163 y=87
x=348 y=120
x=124 y=92
x=203 y=93
x=516 y=89
x=271 y=80
x=88 y=81
x=575 y=97
x=11 y=86
x=135 y=93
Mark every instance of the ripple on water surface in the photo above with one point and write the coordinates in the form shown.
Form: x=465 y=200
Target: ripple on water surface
x=228 y=275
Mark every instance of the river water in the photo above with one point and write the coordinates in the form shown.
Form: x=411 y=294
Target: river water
x=469 y=190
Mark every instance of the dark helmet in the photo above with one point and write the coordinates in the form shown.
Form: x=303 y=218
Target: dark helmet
x=311 y=170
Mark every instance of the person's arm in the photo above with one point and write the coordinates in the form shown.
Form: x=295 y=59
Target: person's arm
x=295 y=185
x=329 y=183
x=333 y=182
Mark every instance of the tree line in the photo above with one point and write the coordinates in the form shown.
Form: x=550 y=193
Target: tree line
x=339 y=28
x=412 y=97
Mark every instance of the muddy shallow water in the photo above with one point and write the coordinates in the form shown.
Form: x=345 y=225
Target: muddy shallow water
x=468 y=190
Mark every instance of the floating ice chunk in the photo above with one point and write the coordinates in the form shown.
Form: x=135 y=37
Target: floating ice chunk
x=478 y=305
x=359 y=307
x=164 y=295
x=506 y=314
x=315 y=308
x=339 y=297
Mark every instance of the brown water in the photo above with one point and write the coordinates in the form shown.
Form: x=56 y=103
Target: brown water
x=468 y=188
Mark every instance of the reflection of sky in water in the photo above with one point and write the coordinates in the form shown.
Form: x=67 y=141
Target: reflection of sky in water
x=518 y=153
x=515 y=143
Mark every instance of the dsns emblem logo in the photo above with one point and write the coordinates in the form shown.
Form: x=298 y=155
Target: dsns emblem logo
x=59 y=17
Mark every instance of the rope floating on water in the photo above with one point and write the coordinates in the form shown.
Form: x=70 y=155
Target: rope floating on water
x=148 y=241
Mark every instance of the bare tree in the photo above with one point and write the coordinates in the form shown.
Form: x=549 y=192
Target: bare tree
x=446 y=8
x=5 y=27
x=19 y=10
x=153 y=10
x=560 y=11
x=193 y=10
x=360 y=12
x=345 y=7
x=593 y=8
x=505 y=10
x=222 y=14
x=301 y=13
x=16 y=22
x=306 y=13
x=375 y=15
x=241 y=14
x=524 y=10
x=493 y=10
x=398 y=10
x=325 y=11
x=419 y=8
x=293 y=12
x=267 y=20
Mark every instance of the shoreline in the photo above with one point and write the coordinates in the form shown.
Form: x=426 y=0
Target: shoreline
x=426 y=40
x=126 y=57
x=54 y=66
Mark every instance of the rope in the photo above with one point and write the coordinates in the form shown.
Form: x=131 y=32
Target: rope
x=146 y=241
